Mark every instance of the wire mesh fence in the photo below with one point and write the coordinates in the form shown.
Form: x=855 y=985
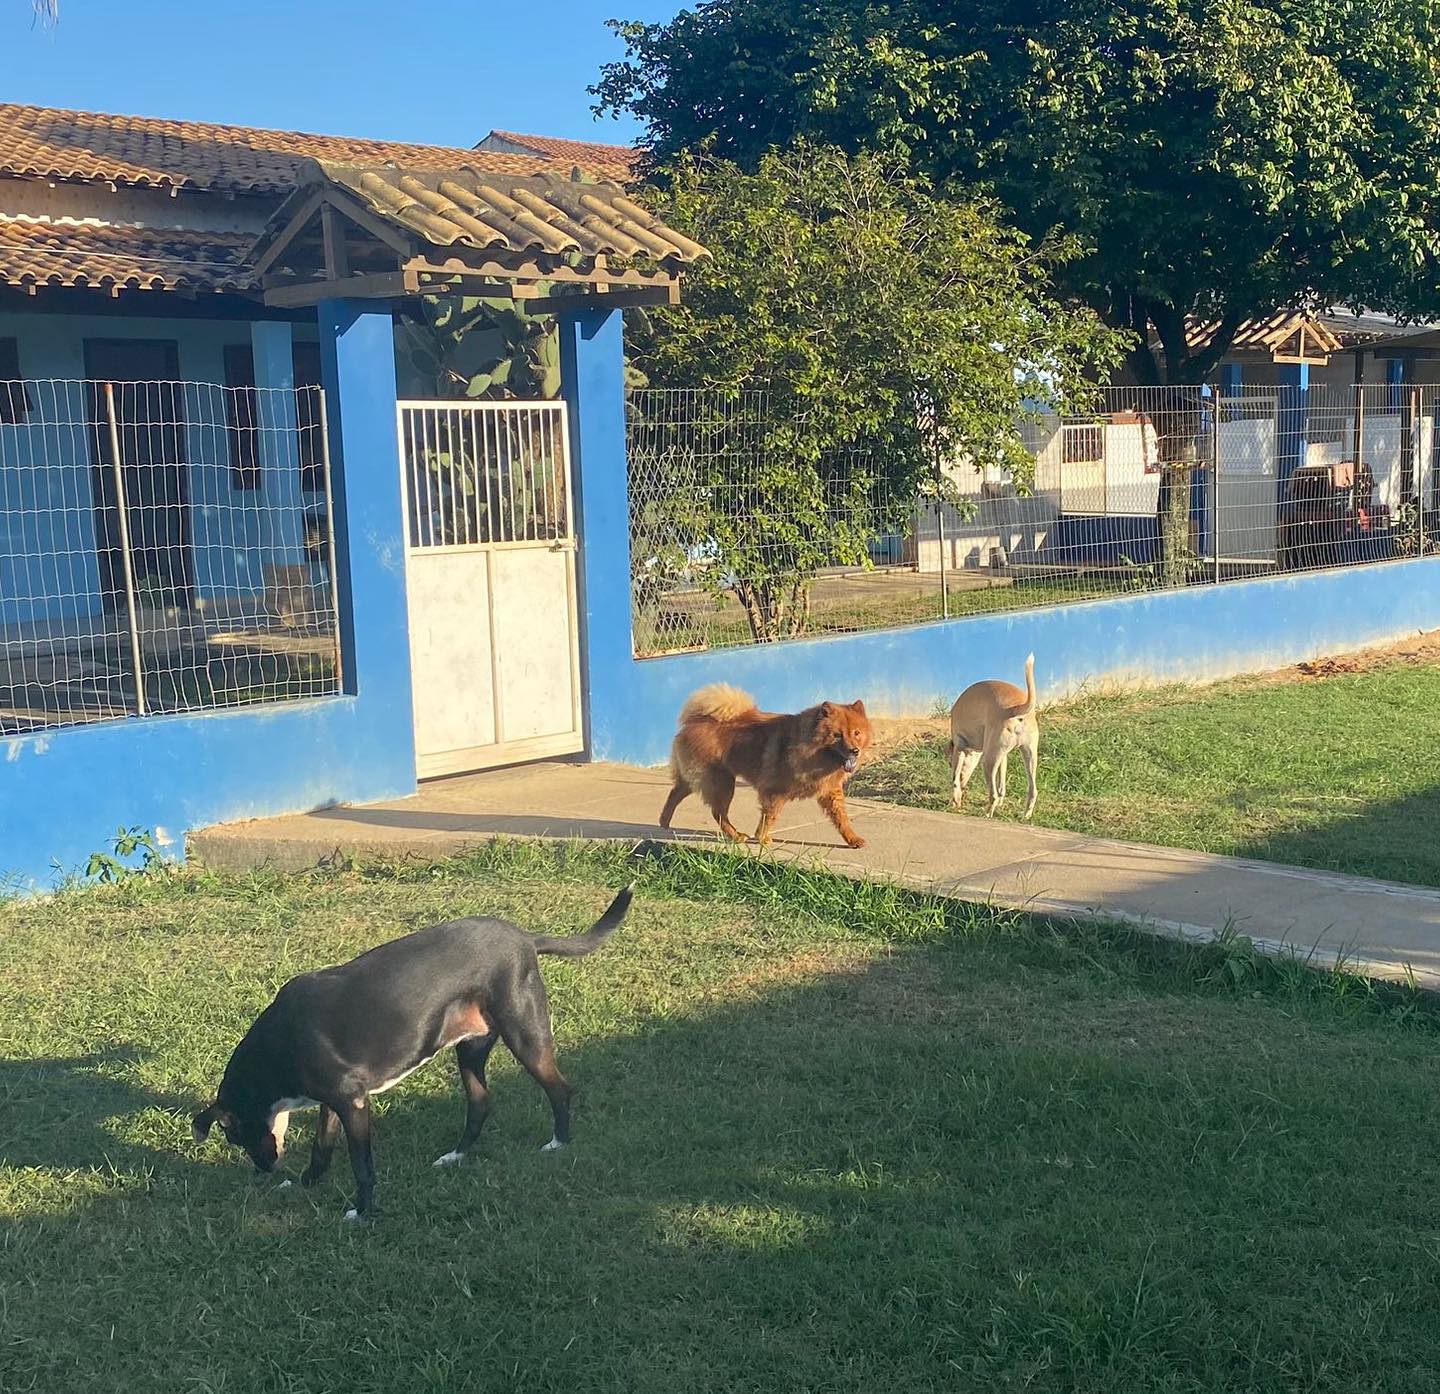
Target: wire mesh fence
x=164 y=547
x=732 y=539
x=1159 y=487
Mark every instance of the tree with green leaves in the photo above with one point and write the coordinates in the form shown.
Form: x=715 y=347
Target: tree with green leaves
x=888 y=328
x=1213 y=158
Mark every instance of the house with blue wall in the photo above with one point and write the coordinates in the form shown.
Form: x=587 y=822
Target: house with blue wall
x=225 y=536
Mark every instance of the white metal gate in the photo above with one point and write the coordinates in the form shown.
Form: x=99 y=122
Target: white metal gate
x=1245 y=483
x=494 y=636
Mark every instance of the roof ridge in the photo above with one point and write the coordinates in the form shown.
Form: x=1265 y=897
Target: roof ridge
x=199 y=125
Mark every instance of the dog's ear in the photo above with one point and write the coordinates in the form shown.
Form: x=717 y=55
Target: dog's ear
x=202 y=1122
x=858 y=706
x=827 y=708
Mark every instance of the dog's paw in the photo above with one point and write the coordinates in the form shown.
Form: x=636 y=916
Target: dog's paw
x=283 y=1185
x=856 y=842
x=554 y=1145
x=450 y=1159
x=351 y=1216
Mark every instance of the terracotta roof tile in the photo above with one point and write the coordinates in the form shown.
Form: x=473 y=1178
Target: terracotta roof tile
x=50 y=143
x=542 y=213
x=85 y=254
x=613 y=161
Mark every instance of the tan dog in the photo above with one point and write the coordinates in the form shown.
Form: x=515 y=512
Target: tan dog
x=988 y=721
x=724 y=736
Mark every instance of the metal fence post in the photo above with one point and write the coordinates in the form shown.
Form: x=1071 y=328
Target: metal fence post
x=330 y=535
x=123 y=509
x=940 y=524
x=1417 y=471
x=1215 y=477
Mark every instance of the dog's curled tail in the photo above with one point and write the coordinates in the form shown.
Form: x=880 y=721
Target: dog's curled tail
x=719 y=702
x=578 y=945
x=1029 y=690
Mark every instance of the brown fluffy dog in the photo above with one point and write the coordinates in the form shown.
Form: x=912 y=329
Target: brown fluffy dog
x=723 y=736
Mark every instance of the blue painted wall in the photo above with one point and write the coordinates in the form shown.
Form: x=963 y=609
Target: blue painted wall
x=1194 y=634
x=48 y=567
x=63 y=793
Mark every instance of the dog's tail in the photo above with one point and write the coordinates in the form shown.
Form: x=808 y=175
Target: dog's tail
x=578 y=945
x=1029 y=690
x=719 y=702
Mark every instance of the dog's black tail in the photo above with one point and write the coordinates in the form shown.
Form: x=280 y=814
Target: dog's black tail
x=578 y=945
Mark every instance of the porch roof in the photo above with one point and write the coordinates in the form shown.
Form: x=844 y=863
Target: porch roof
x=378 y=230
x=1284 y=335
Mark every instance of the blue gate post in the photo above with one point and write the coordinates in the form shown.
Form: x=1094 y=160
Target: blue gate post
x=357 y=362
x=1292 y=421
x=278 y=453
x=592 y=376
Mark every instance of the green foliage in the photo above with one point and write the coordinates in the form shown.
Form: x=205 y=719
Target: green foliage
x=1215 y=157
x=885 y=324
x=120 y=864
x=463 y=346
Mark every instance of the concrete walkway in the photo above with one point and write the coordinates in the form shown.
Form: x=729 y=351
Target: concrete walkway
x=1386 y=929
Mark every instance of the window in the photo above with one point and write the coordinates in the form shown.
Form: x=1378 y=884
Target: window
x=15 y=403
x=307 y=417
x=240 y=419
x=1082 y=445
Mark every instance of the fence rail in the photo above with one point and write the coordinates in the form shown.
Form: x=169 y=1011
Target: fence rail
x=164 y=547
x=1160 y=487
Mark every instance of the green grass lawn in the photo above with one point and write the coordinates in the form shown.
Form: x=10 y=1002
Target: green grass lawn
x=831 y=1137
x=726 y=627
x=1337 y=772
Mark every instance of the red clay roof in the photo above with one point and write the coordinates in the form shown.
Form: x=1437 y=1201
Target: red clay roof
x=50 y=143
x=612 y=161
x=87 y=254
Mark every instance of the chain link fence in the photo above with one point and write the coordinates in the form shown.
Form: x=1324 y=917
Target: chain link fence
x=1160 y=487
x=164 y=547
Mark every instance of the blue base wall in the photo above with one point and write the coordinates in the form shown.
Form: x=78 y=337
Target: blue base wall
x=1195 y=634
x=64 y=793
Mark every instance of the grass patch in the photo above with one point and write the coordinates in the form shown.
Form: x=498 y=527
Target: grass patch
x=725 y=626
x=1332 y=772
x=831 y=1136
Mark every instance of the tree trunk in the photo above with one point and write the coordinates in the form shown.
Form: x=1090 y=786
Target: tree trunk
x=1177 y=421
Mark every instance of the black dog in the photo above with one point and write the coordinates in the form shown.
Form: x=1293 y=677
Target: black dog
x=339 y=1035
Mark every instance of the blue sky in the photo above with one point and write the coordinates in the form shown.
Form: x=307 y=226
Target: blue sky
x=441 y=72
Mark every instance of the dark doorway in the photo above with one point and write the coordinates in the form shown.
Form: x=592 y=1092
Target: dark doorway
x=150 y=417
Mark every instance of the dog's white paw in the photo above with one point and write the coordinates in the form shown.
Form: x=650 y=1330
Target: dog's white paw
x=554 y=1145
x=450 y=1159
x=282 y=1185
x=352 y=1216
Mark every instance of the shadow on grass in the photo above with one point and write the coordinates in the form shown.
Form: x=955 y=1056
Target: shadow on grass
x=55 y=1112
x=932 y=1167
x=1398 y=840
